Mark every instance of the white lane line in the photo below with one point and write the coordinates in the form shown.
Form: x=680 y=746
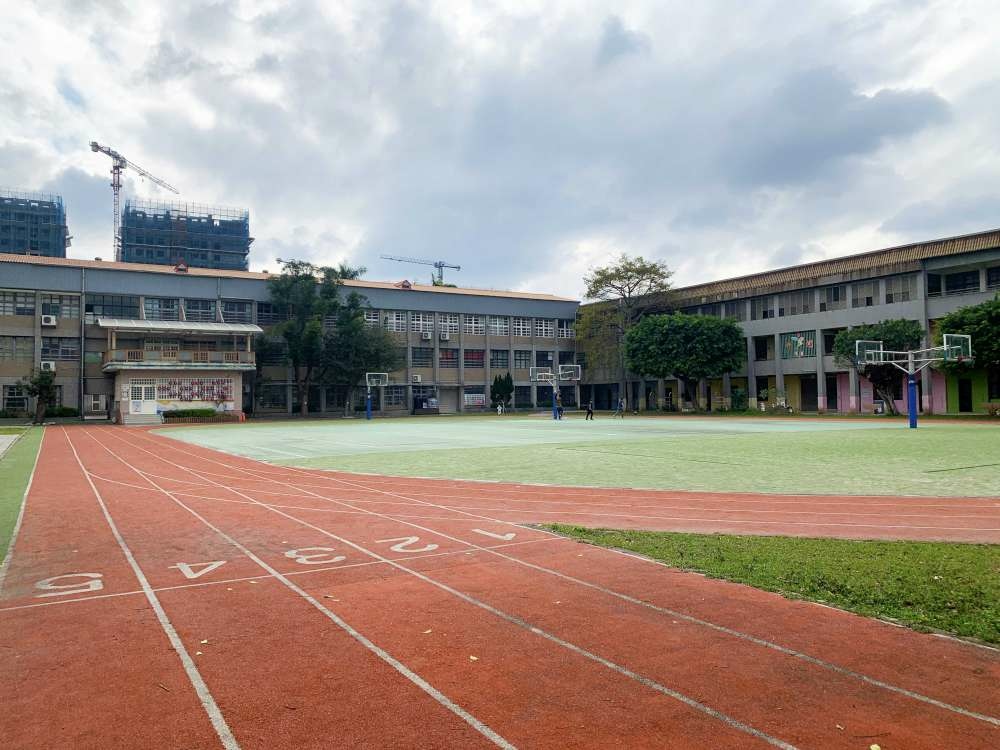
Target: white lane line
x=384 y=655
x=513 y=619
x=5 y=565
x=197 y=682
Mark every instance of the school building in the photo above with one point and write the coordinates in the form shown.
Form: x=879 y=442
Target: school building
x=790 y=317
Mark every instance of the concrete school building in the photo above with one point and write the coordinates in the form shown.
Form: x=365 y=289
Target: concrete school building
x=133 y=340
x=790 y=317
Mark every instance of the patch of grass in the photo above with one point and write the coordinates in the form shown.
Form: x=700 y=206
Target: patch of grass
x=926 y=585
x=11 y=430
x=15 y=468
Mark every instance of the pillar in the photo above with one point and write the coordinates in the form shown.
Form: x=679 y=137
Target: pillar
x=727 y=390
x=779 y=375
x=854 y=401
x=820 y=374
x=703 y=392
x=751 y=376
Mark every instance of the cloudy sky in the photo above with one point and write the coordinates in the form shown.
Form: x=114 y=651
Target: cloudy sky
x=525 y=141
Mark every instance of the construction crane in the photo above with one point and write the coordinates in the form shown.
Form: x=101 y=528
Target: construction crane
x=118 y=164
x=440 y=265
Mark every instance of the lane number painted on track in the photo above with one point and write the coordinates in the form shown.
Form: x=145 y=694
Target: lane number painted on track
x=403 y=544
x=189 y=569
x=315 y=556
x=71 y=583
x=502 y=537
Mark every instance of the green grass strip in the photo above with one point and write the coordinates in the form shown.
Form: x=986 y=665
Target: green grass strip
x=15 y=468
x=941 y=586
x=11 y=430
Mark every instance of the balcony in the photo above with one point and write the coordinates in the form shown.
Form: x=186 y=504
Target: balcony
x=139 y=359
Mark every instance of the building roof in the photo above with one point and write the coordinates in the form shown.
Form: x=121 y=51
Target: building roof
x=871 y=263
x=107 y=265
x=178 y=326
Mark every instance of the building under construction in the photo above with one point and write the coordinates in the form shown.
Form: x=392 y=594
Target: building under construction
x=174 y=233
x=32 y=224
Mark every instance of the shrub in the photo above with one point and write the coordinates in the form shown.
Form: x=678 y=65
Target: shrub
x=187 y=413
x=62 y=411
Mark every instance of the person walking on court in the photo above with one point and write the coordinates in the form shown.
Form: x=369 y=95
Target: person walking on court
x=559 y=406
x=590 y=411
x=621 y=408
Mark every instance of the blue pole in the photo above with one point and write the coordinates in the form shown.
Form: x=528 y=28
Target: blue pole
x=911 y=399
x=368 y=404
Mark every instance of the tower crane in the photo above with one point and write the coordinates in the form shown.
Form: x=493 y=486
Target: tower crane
x=440 y=265
x=118 y=164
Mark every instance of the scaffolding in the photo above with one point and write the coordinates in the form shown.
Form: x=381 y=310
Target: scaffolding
x=189 y=233
x=32 y=223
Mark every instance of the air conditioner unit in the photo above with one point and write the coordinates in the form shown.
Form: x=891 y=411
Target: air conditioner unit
x=49 y=321
x=426 y=335
x=445 y=336
x=415 y=378
x=48 y=365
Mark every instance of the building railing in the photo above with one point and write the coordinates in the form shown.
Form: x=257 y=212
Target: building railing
x=180 y=357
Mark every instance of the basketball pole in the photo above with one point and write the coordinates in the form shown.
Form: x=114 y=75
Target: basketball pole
x=368 y=403
x=555 y=406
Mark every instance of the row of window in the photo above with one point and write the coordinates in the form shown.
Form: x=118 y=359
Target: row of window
x=474 y=325
x=863 y=294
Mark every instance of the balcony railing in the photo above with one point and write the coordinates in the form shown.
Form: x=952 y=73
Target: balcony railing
x=169 y=357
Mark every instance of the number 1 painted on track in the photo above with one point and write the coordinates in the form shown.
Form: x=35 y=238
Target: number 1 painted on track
x=502 y=537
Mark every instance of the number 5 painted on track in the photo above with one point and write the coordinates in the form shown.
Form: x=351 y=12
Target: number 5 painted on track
x=403 y=544
x=91 y=582
x=318 y=556
x=188 y=569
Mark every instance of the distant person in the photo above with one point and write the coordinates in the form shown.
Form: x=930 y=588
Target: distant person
x=590 y=410
x=620 y=412
x=559 y=406
x=499 y=408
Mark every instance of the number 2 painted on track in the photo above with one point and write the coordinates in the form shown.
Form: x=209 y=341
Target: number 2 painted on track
x=403 y=544
x=188 y=569
x=51 y=587
x=317 y=556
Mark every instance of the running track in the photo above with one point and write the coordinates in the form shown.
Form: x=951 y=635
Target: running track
x=164 y=595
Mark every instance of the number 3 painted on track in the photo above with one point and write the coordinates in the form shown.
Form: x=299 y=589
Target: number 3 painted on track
x=317 y=556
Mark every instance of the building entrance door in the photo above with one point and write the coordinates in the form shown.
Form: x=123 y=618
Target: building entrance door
x=964 y=394
x=807 y=384
x=142 y=397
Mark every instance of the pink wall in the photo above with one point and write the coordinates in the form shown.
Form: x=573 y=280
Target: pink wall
x=935 y=401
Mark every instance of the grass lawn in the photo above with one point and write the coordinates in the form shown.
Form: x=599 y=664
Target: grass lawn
x=926 y=585
x=11 y=430
x=15 y=468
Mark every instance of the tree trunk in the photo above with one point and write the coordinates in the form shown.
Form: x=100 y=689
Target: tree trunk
x=40 y=408
x=349 y=401
x=886 y=396
x=302 y=386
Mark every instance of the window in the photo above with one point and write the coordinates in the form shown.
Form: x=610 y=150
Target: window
x=581 y=359
x=371 y=318
x=112 y=306
x=993 y=383
x=273 y=352
x=795 y=303
x=423 y=356
x=762 y=348
x=59 y=347
x=761 y=308
x=448 y=359
x=522 y=395
x=993 y=278
x=160 y=308
x=933 y=285
x=161 y=345
x=499 y=325
x=543 y=359
x=474 y=358
x=565 y=358
x=236 y=311
x=522 y=359
x=833 y=298
x=267 y=314
x=395 y=395
x=736 y=310
x=474 y=324
x=15 y=398
x=545 y=328
x=17 y=348
x=273 y=396
x=522 y=327
x=422 y=322
x=499 y=359
x=828 y=338
x=61 y=305
x=566 y=330
x=798 y=344
x=395 y=320
x=763 y=387
x=962 y=282
x=864 y=294
x=200 y=310
x=711 y=311
x=900 y=289
x=448 y=322
x=17 y=303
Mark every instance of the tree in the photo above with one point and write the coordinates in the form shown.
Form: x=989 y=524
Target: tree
x=626 y=288
x=982 y=323
x=267 y=351
x=502 y=390
x=306 y=296
x=896 y=335
x=352 y=348
x=688 y=347
x=41 y=386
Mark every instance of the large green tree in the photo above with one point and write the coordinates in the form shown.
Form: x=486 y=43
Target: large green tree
x=982 y=323
x=898 y=335
x=502 y=390
x=304 y=296
x=688 y=347
x=623 y=291
x=41 y=387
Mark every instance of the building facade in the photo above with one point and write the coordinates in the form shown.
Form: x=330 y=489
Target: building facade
x=173 y=233
x=33 y=223
x=791 y=316
x=132 y=340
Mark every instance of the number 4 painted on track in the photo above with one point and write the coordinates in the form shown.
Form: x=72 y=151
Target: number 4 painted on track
x=188 y=569
x=502 y=537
